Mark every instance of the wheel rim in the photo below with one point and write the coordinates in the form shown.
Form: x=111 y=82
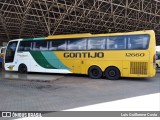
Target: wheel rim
x=112 y=73
x=95 y=72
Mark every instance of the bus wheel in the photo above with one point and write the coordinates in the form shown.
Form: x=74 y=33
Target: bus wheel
x=157 y=66
x=95 y=72
x=112 y=73
x=22 y=68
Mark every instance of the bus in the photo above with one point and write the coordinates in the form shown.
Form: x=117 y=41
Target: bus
x=158 y=60
x=113 y=55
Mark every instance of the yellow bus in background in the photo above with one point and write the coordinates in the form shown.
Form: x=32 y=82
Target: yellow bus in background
x=113 y=55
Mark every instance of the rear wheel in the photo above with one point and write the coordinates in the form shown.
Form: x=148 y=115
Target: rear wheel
x=157 y=66
x=95 y=72
x=112 y=73
x=22 y=68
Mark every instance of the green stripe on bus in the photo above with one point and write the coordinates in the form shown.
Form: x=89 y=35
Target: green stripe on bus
x=53 y=60
x=40 y=38
x=41 y=60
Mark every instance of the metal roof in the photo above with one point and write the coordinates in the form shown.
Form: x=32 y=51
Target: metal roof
x=36 y=18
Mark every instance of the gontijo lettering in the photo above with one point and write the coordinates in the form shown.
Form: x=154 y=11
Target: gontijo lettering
x=83 y=55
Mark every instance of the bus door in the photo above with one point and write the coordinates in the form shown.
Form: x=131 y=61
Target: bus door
x=77 y=66
x=10 y=55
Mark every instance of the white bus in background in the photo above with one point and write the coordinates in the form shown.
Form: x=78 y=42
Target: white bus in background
x=158 y=60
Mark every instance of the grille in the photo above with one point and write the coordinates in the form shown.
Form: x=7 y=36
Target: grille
x=138 y=68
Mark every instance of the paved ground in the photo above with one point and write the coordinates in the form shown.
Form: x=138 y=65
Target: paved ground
x=31 y=76
x=69 y=91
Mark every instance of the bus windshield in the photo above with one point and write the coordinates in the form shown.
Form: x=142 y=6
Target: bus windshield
x=10 y=51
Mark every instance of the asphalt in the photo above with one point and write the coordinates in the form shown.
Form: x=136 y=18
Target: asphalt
x=54 y=92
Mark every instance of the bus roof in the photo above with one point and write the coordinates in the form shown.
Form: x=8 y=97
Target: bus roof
x=69 y=36
x=96 y=35
x=83 y=35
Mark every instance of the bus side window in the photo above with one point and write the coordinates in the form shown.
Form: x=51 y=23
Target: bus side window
x=111 y=43
x=25 y=46
x=40 y=45
x=57 y=45
x=52 y=45
x=77 y=44
x=116 y=42
x=36 y=46
x=43 y=45
x=97 y=43
x=138 y=41
x=129 y=46
x=61 y=45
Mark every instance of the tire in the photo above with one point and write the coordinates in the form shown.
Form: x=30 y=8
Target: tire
x=157 y=66
x=22 y=68
x=95 y=72
x=112 y=73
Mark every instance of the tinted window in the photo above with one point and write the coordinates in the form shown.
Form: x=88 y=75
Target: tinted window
x=138 y=42
x=96 y=43
x=25 y=46
x=116 y=42
x=40 y=45
x=157 y=57
x=77 y=44
x=10 y=51
x=57 y=45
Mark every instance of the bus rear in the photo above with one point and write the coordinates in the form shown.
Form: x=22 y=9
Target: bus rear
x=140 y=61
